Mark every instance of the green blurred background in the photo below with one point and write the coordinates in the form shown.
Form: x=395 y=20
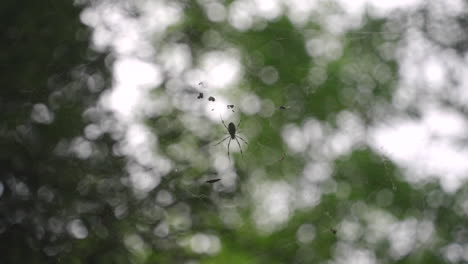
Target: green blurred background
x=354 y=113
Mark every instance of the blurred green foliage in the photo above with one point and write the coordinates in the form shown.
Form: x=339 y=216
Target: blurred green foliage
x=47 y=192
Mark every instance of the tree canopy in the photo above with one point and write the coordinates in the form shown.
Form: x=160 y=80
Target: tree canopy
x=232 y=132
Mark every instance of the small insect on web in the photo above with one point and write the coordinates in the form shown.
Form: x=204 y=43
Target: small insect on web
x=213 y=180
x=231 y=128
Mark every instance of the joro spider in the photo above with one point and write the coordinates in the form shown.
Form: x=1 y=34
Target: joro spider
x=231 y=128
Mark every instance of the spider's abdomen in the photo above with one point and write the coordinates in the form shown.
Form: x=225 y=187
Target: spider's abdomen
x=232 y=130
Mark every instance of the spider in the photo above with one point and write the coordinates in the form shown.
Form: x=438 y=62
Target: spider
x=231 y=128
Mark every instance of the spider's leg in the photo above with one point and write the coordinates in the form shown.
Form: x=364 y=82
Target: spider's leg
x=229 y=156
x=239 y=147
x=222 y=140
x=223 y=122
x=242 y=139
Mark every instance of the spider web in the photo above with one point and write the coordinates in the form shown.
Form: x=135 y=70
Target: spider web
x=266 y=155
